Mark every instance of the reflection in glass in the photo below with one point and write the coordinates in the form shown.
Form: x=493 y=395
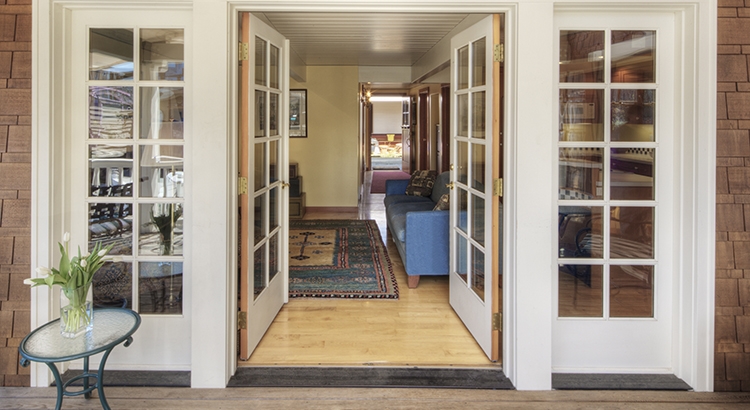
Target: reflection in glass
x=633 y=115
x=259 y=165
x=477 y=167
x=461 y=257
x=260 y=61
x=260 y=218
x=161 y=230
x=273 y=209
x=477 y=272
x=463 y=206
x=273 y=257
x=111 y=112
x=581 y=56
x=275 y=67
x=580 y=291
x=162 y=54
x=462 y=156
x=632 y=232
x=111 y=223
x=273 y=160
x=113 y=285
x=631 y=291
x=260 y=113
x=581 y=115
x=580 y=173
x=463 y=67
x=477 y=225
x=480 y=64
x=110 y=54
x=580 y=232
x=633 y=56
x=463 y=115
x=259 y=277
x=162 y=112
x=273 y=119
x=478 y=115
x=111 y=170
x=160 y=288
x=162 y=174
x=632 y=175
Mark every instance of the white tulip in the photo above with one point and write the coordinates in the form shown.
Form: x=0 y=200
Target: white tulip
x=42 y=271
x=83 y=263
x=28 y=281
x=66 y=237
x=102 y=253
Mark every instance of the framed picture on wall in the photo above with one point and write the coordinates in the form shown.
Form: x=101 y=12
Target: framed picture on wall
x=298 y=113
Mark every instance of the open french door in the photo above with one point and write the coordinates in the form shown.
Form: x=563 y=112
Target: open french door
x=475 y=220
x=264 y=158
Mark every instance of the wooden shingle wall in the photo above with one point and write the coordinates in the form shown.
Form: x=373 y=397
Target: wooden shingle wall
x=732 y=360
x=15 y=185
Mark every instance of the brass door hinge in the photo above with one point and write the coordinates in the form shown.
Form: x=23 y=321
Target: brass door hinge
x=242 y=320
x=497 y=321
x=497 y=187
x=241 y=186
x=499 y=53
x=244 y=52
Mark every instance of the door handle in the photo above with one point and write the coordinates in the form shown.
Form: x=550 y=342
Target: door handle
x=449 y=185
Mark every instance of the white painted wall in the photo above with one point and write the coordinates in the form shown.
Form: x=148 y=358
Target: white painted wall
x=386 y=117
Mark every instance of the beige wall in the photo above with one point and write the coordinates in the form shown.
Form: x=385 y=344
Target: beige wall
x=327 y=158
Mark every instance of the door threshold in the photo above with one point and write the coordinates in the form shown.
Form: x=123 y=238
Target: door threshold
x=617 y=381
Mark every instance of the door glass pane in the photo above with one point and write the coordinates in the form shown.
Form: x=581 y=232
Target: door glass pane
x=632 y=175
x=111 y=223
x=273 y=257
x=462 y=209
x=580 y=290
x=162 y=112
x=463 y=115
x=478 y=115
x=162 y=173
x=111 y=170
x=580 y=232
x=461 y=257
x=477 y=272
x=162 y=54
x=275 y=66
x=160 y=288
x=111 y=112
x=113 y=285
x=462 y=157
x=463 y=67
x=273 y=119
x=259 y=277
x=633 y=56
x=273 y=159
x=581 y=115
x=631 y=291
x=632 y=232
x=260 y=218
x=161 y=231
x=633 y=115
x=477 y=167
x=480 y=65
x=260 y=113
x=273 y=209
x=477 y=226
x=110 y=54
x=259 y=165
x=581 y=56
x=260 y=61
x=580 y=173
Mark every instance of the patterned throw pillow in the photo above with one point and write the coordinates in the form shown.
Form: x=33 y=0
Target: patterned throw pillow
x=421 y=183
x=444 y=203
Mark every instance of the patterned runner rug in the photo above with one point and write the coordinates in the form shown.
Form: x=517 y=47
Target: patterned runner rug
x=339 y=259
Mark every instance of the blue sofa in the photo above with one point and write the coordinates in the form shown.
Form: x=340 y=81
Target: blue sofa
x=421 y=235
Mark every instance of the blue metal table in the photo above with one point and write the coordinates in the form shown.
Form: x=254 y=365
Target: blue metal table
x=46 y=345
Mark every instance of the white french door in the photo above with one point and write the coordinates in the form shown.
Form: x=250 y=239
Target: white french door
x=264 y=159
x=614 y=292
x=474 y=279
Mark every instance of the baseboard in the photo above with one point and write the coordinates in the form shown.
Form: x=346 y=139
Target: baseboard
x=332 y=209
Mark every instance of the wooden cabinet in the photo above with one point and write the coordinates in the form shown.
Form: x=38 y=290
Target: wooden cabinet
x=297 y=206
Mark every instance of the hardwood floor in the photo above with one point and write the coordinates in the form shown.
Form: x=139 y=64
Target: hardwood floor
x=418 y=329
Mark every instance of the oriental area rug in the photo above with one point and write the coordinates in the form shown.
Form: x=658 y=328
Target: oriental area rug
x=339 y=259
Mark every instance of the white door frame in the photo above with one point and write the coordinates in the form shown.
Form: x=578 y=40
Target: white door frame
x=530 y=72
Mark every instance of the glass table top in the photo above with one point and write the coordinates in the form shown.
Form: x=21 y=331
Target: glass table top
x=111 y=326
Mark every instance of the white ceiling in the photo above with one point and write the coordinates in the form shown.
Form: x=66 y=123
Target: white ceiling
x=362 y=39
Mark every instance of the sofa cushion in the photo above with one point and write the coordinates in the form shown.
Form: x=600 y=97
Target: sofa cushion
x=391 y=200
x=441 y=186
x=421 y=183
x=396 y=215
x=443 y=204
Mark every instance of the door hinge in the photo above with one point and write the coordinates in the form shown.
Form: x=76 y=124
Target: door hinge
x=244 y=52
x=497 y=321
x=499 y=53
x=497 y=187
x=241 y=186
x=241 y=320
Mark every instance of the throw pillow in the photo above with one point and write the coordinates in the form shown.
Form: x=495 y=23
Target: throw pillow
x=444 y=203
x=421 y=183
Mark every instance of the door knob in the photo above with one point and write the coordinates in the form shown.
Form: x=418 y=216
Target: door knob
x=449 y=185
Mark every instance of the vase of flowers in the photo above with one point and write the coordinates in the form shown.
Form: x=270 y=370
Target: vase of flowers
x=74 y=276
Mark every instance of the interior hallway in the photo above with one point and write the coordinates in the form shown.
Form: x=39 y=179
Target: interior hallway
x=420 y=328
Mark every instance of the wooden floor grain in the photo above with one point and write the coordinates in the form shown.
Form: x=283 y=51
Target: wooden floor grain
x=375 y=399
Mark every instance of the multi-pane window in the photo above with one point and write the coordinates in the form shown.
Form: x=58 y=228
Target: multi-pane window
x=607 y=182
x=135 y=151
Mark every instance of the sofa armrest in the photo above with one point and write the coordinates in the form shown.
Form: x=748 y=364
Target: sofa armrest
x=396 y=186
x=427 y=242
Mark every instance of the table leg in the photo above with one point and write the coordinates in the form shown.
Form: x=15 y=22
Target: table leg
x=58 y=384
x=86 y=379
x=100 y=379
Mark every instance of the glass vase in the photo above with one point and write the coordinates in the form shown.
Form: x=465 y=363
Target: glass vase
x=76 y=311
